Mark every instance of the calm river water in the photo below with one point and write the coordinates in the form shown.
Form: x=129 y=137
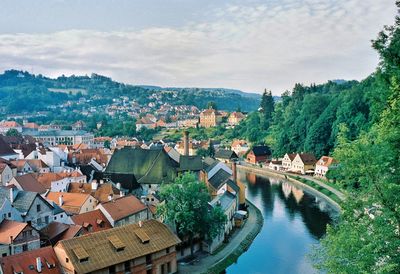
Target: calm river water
x=294 y=221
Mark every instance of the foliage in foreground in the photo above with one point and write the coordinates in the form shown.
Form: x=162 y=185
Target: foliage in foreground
x=367 y=238
x=186 y=207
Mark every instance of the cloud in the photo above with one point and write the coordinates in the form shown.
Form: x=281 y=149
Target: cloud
x=247 y=46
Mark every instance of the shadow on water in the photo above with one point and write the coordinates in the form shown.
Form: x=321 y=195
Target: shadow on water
x=294 y=221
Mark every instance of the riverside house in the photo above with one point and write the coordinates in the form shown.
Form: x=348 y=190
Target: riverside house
x=304 y=163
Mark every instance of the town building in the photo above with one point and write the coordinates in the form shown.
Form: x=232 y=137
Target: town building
x=66 y=137
x=91 y=221
x=6 y=152
x=56 y=231
x=225 y=155
x=27 y=182
x=324 y=164
x=17 y=237
x=235 y=118
x=240 y=147
x=287 y=161
x=124 y=210
x=7 y=125
x=6 y=174
x=32 y=207
x=303 y=163
x=210 y=118
x=258 y=154
x=146 y=247
x=73 y=203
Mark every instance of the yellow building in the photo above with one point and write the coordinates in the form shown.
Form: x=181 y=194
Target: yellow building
x=210 y=118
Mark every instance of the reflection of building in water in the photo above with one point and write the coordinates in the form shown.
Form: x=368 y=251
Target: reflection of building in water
x=287 y=189
x=251 y=178
x=274 y=181
x=297 y=193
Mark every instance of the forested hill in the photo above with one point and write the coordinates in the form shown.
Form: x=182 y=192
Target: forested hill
x=309 y=118
x=19 y=88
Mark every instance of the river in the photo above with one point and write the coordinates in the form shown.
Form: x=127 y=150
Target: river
x=294 y=221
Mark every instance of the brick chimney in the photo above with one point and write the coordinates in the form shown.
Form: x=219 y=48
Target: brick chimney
x=234 y=171
x=186 y=143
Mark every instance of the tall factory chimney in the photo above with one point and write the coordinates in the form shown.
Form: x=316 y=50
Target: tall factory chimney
x=186 y=143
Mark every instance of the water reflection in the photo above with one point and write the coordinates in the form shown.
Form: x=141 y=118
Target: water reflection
x=294 y=220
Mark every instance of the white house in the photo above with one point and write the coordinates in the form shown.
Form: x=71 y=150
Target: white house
x=287 y=161
x=323 y=165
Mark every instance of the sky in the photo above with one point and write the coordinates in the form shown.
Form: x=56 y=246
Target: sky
x=242 y=44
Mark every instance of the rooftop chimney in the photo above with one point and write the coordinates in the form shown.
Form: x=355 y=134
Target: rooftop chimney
x=119 y=186
x=94 y=184
x=38 y=265
x=234 y=172
x=60 y=200
x=186 y=143
x=11 y=195
x=140 y=223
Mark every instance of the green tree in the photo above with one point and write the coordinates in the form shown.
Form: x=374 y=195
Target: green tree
x=267 y=107
x=107 y=144
x=13 y=132
x=186 y=207
x=367 y=237
x=212 y=105
x=211 y=150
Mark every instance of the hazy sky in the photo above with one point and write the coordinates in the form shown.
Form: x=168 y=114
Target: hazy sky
x=248 y=45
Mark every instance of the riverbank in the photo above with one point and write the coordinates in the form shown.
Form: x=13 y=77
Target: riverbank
x=292 y=178
x=237 y=245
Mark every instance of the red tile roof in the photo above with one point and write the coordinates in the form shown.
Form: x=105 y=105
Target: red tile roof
x=95 y=219
x=10 y=228
x=23 y=262
x=28 y=182
x=326 y=161
x=123 y=207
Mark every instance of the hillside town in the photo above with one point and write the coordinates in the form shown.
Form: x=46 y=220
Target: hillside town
x=75 y=203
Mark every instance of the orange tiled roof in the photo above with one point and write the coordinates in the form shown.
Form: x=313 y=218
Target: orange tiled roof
x=9 y=124
x=72 y=202
x=10 y=229
x=326 y=161
x=123 y=207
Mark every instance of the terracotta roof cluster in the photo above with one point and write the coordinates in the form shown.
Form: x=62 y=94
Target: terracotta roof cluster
x=31 y=125
x=113 y=246
x=26 y=262
x=84 y=156
x=92 y=221
x=209 y=111
x=101 y=194
x=9 y=124
x=236 y=143
x=47 y=178
x=123 y=207
x=237 y=115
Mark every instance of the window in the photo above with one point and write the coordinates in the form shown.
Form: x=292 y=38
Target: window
x=169 y=267
x=4 y=255
x=111 y=269
x=38 y=209
x=24 y=247
x=127 y=266
x=167 y=250
x=9 y=214
x=66 y=260
x=148 y=259
x=39 y=221
x=46 y=219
